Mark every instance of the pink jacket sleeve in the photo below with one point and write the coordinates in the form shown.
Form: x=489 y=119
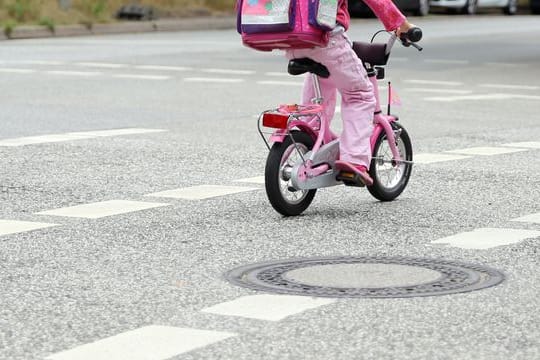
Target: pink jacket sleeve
x=387 y=13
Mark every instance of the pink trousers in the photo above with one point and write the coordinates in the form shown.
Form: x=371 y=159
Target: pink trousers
x=348 y=76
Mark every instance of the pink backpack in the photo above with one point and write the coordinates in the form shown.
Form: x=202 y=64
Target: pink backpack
x=285 y=24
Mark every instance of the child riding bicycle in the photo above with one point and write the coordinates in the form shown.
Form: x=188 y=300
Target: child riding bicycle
x=348 y=76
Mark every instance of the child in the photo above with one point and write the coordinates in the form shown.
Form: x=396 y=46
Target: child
x=347 y=74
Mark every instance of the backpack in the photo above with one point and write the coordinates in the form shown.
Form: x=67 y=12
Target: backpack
x=285 y=24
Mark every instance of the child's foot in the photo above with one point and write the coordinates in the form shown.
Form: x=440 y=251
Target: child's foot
x=353 y=173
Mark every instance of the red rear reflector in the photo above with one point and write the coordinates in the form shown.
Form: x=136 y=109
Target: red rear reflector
x=277 y=121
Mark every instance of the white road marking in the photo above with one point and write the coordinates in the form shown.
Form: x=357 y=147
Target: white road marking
x=253 y=180
x=267 y=307
x=533 y=218
x=43 y=139
x=483 y=97
x=280 y=74
x=141 y=77
x=147 y=343
x=116 y=132
x=17 y=71
x=228 y=71
x=162 y=68
x=102 y=209
x=215 y=80
x=445 y=61
x=43 y=62
x=71 y=136
x=486 y=238
x=508 y=86
x=280 y=83
x=433 y=82
x=13 y=227
x=441 y=91
x=201 y=192
x=400 y=59
x=485 y=150
x=102 y=65
x=525 y=144
x=74 y=73
x=430 y=158
x=503 y=64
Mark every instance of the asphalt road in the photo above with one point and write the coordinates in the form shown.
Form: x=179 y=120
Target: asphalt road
x=187 y=103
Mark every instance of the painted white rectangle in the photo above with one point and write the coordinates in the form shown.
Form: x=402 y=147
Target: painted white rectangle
x=280 y=83
x=430 y=158
x=13 y=227
x=74 y=73
x=147 y=343
x=213 y=80
x=483 y=97
x=440 y=91
x=43 y=62
x=486 y=150
x=17 y=71
x=141 y=77
x=102 y=209
x=162 y=68
x=42 y=139
x=267 y=307
x=533 y=218
x=278 y=74
x=525 y=144
x=503 y=64
x=508 y=86
x=253 y=180
x=486 y=238
x=228 y=71
x=446 y=61
x=117 y=132
x=102 y=65
x=433 y=82
x=201 y=192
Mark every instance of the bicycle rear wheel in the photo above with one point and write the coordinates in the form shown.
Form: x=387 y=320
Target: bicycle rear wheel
x=279 y=164
x=389 y=179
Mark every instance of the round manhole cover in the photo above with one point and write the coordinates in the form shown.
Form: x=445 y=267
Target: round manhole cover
x=373 y=277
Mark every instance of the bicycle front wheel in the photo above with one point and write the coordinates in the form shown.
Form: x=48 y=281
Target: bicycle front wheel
x=282 y=157
x=389 y=178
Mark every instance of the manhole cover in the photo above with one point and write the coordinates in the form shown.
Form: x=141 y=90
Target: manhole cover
x=372 y=277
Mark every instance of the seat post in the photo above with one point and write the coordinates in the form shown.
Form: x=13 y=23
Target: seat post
x=317 y=87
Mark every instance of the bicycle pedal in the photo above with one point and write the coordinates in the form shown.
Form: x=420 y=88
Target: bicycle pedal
x=350 y=179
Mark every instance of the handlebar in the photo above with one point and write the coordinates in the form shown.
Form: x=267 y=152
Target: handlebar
x=411 y=37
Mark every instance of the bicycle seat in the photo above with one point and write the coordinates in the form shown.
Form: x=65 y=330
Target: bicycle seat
x=373 y=54
x=304 y=65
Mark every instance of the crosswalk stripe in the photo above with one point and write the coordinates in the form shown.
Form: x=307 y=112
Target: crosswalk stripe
x=486 y=238
x=532 y=218
x=201 y=192
x=102 y=209
x=13 y=227
x=433 y=82
x=17 y=71
x=429 y=158
x=214 y=80
x=74 y=73
x=267 y=307
x=141 y=77
x=77 y=135
x=253 y=180
x=152 y=342
x=486 y=150
x=102 y=65
x=524 y=144
x=162 y=68
x=280 y=83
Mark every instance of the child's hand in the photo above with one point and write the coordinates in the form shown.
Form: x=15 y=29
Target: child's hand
x=404 y=28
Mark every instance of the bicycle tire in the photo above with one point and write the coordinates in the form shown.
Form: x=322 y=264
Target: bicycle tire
x=276 y=184
x=385 y=187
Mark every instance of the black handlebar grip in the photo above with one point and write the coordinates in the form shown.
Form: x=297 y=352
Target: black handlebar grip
x=414 y=34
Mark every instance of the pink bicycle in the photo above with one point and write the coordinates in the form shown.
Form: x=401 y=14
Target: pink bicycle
x=305 y=150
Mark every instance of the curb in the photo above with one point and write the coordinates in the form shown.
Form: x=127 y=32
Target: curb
x=127 y=27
